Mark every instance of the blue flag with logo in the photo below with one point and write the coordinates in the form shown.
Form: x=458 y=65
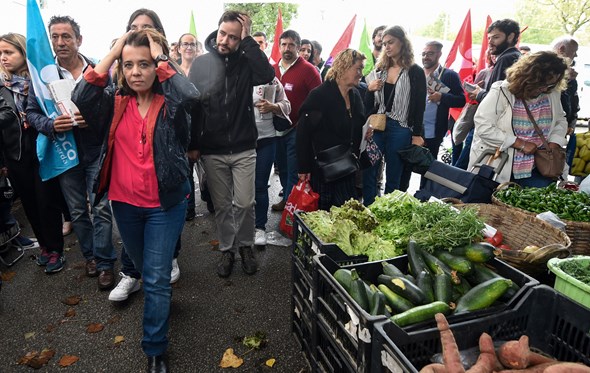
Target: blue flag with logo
x=59 y=154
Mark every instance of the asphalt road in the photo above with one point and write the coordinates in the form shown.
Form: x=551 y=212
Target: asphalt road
x=208 y=315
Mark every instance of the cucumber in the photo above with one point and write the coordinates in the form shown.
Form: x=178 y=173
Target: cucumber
x=443 y=289
x=424 y=282
x=483 y=295
x=391 y=270
x=420 y=313
x=358 y=291
x=437 y=266
x=344 y=278
x=404 y=287
x=378 y=303
x=416 y=262
x=395 y=301
x=480 y=252
x=482 y=273
x=459 y=263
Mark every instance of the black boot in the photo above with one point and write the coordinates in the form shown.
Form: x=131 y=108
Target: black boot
x=157 y=364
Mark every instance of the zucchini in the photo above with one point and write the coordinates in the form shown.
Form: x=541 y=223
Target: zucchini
x=482 y=273
x=344 y=278
x=416 y=262
x=391 y=270
x=358 y=291
x=463 y=287
x=483 y=295
x=378 y=303
x=459 y=263
x=480 y=252
x=404 y=287
x=437 y=266
x=397 y=302
x=443 y=289
x=420 y=313
x=424 y=282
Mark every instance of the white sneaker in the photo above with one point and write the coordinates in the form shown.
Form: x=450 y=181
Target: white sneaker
x=175 y=274
x=260 y=238
x=126 y=286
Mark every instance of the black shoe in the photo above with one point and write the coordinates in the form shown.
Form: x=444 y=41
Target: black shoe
x=226 y=264
x=248 y=262
x=190 y=215
x=157 y=364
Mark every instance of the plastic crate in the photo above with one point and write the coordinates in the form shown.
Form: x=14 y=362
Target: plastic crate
x=568 y=285
x=554 y=324
x=302 y=310
x=306 y=245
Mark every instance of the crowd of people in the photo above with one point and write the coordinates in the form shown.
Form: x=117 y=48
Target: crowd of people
x=154 y=110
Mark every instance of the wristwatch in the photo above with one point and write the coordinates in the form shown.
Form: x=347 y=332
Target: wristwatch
x=161 y=57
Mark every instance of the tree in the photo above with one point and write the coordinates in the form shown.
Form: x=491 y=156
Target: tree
x=264 y=15
x=439 y=29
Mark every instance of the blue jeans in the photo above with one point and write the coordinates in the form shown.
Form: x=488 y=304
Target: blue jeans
x=265 y=155
x=149 y=236
x=570 y=150
x=127 y=266
x=463 y=161
x=94 y=235
x=286 y=158
x=394 y=138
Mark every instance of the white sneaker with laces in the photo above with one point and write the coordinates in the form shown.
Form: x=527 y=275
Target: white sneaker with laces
x=260 y=237
x=175 y=274
x=124 y=288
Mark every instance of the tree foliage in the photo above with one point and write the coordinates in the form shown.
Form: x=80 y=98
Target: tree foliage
x=264 y=15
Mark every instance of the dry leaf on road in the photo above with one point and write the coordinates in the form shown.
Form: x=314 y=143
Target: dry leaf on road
x=94 y=328
x=270 y=362
x=36 y=360
x=67 y=360
x=119 y=339
x=70 y=312
x=7 y=276
x=29 y=335
x=229 y=360
x=73 y=300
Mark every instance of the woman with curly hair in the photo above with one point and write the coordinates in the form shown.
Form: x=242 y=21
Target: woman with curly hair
x=332 y=115
x=501 y=121
x=400 y=93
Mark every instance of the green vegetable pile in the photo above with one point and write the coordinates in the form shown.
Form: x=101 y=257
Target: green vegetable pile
x=350 y=227
x=384 y=229
x=566 y=204
x=578 y=269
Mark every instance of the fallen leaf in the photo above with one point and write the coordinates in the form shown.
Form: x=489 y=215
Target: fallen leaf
x=114 y=319
x=119 y=339
x=94 y=328
x=214 y=242
x=7 y=276
x=29 y=335
x=270 y=362
x=36 y=360
x=229 y=360
x=255 y=341
x=67 y=360
x=73 y=300
x=70 y=312
x=46 y=355
x=24 y=360
x=49 y=328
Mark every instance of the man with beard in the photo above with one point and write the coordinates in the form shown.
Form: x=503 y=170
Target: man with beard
x=298 y=77
x=224 y=132
x=377 y=42
x=502 y=38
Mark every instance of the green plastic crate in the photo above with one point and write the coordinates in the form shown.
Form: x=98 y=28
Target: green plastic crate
x=568 y=285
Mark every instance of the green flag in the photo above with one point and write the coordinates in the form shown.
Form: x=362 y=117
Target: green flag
x=365 y=48
x=192 y=28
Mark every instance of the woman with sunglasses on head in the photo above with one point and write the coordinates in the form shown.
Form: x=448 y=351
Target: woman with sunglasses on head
x=332 y=115
x=533 y=84
x=144 y=168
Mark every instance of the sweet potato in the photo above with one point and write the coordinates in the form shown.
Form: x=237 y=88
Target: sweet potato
x=487 y=362
x=517 y=355
x=567 y=368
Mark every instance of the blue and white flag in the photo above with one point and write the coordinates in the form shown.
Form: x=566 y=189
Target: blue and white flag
x=60 y=154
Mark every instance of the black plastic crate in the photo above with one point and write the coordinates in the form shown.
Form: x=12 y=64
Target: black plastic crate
x=306 y=245
x=554 y=324
x=302 y=310
x=329 y=355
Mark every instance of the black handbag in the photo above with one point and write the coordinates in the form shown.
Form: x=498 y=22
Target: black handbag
x=281 y=124
x=446 y=181
x=337 y=162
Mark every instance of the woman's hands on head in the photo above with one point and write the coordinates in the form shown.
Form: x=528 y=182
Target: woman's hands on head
x=155 y=48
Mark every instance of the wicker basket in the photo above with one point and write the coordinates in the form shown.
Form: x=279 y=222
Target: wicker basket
x=578 y=232
x=520 y=230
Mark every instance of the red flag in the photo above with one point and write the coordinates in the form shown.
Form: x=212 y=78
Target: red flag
x=463 y=45
x=275 y=54
x=519 y=36
x=481 y=63
x=343 y=42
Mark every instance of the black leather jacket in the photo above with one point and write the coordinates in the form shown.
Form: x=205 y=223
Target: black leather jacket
x=17 y=142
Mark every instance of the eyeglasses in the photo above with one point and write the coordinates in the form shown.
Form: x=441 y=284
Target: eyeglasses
x=188 y=45
x=428 y=54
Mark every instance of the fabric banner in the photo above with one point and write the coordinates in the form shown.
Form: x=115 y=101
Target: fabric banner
x=60 y=154
x=481 y=63
x=192 y=28
x=343 y=42
x=275 y=54
x=365 y=48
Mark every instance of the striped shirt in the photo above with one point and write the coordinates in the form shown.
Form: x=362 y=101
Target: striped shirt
x=401 y=98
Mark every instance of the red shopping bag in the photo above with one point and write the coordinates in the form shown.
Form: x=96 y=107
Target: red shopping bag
x=302 y=198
